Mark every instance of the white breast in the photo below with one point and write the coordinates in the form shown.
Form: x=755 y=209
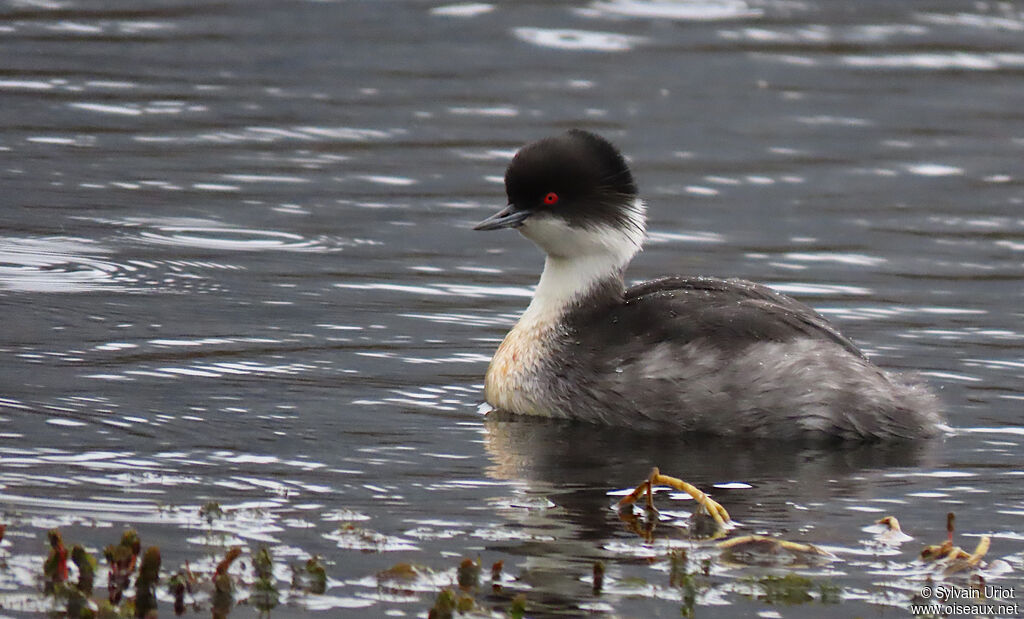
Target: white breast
x=514 y=378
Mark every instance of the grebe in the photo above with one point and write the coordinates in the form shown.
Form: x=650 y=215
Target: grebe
x=694 y=354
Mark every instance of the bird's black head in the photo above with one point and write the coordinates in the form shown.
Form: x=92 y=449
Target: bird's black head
x=576 y=177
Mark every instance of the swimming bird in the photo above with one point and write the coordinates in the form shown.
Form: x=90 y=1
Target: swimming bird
x=691 y=354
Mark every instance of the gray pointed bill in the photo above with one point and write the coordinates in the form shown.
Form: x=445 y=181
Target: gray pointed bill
x=508 y=217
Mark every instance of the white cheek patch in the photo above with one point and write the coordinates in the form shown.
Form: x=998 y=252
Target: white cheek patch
x=578 y=258
x=558 y=239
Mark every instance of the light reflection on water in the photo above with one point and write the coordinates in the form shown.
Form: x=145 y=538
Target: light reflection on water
x=238 y=268
x=58 y=264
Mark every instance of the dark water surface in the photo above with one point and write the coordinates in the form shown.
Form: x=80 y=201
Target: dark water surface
x=236 y=265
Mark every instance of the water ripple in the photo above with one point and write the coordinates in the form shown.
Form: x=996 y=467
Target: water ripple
x=457 y=290
x=467 y=9
x=209 y=234
x=578 y=40
x=937 y=61
x=973 y=20
x=688 y=10
x=269 y=135
x=60 y=264
x=230 y=239
x=135 y=109
x=807 y=289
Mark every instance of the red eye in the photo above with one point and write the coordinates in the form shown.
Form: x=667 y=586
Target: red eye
x=551 y=198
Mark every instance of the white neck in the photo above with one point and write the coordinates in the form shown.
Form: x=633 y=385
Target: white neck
x=578 y=259
x=565 y=281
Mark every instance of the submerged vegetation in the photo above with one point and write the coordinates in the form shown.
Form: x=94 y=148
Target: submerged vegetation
x=706 y=564
x=133 y=582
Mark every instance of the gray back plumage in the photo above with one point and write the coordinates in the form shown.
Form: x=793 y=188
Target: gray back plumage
x=725 y=357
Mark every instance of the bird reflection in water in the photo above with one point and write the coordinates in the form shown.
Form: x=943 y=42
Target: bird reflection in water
x=576 y=466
